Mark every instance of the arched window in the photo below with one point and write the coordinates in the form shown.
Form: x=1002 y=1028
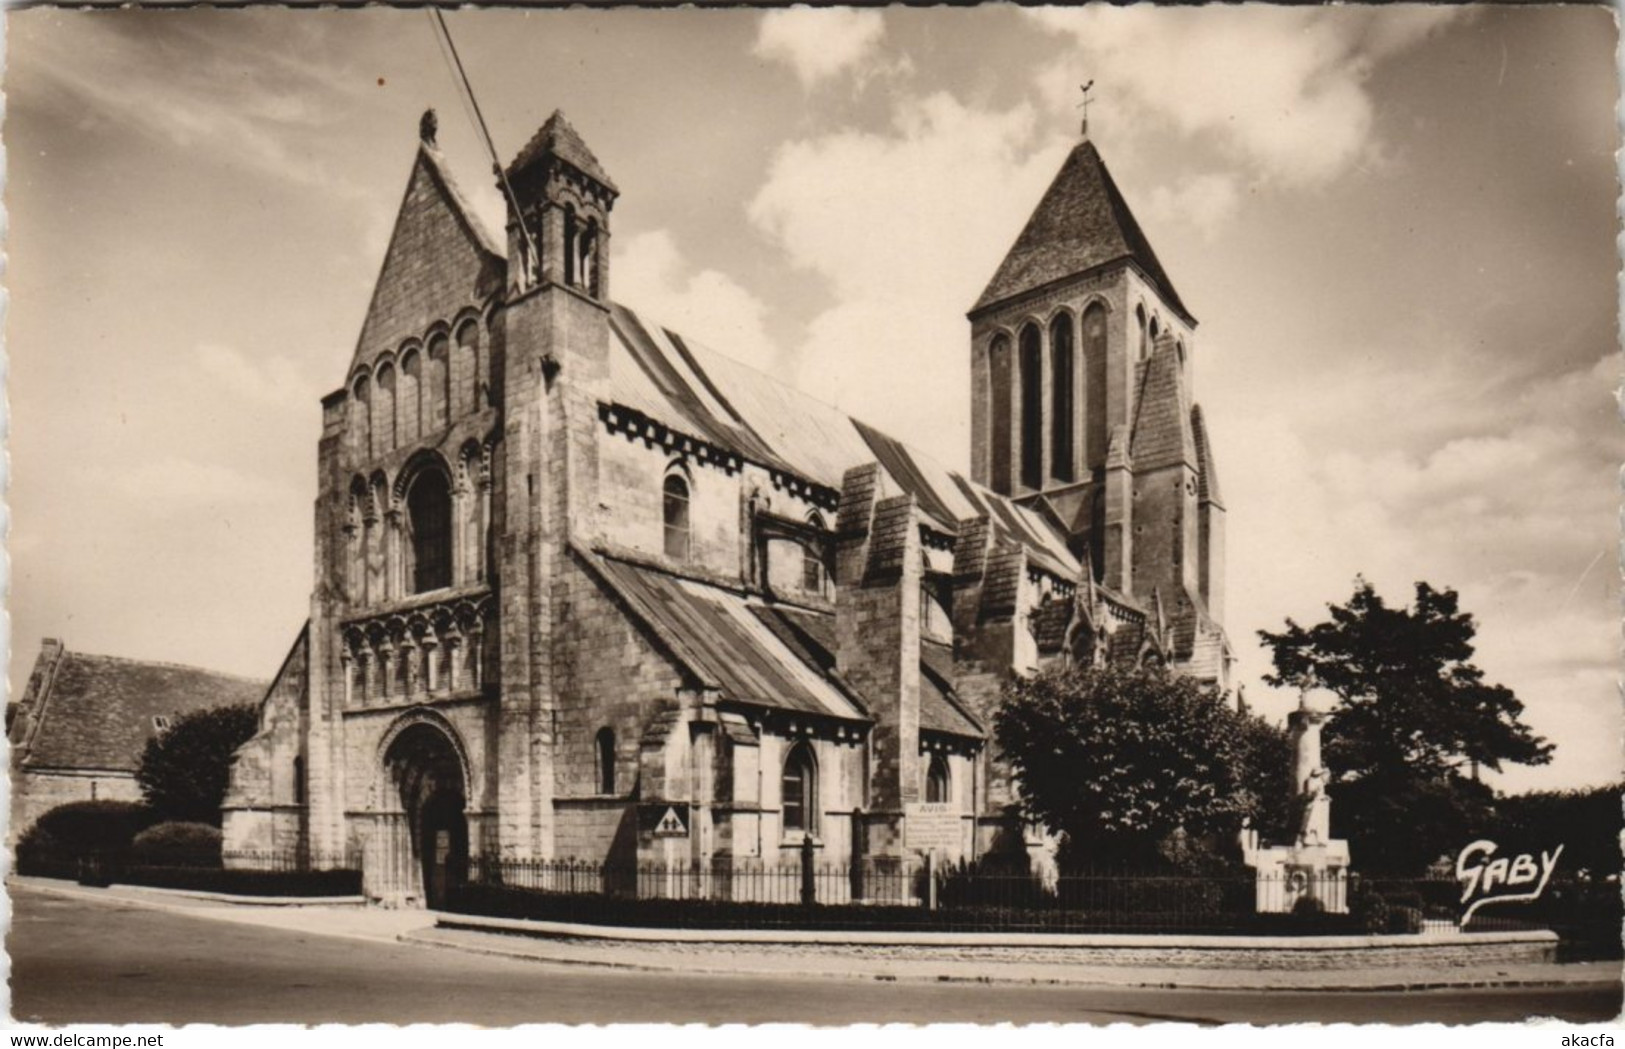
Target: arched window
x=999 y=394
x=936 y=780
x=674 y=507
x=606 y=760
x=383 y=416
x=571 y=262
x=359 y=520
x=298 y=780
x=1032 y=408
x=361 y=416
x=408 y=394
x=428 y=507
x=1094 y=383
x=435 y=392
x=1152 y=333
x=812 y=564
x=587 y=251
x=466 y=371
x=1062 y=380
x=798 y=796
x=1139 y=333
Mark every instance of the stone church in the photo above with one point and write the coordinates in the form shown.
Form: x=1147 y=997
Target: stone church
x=576 y=573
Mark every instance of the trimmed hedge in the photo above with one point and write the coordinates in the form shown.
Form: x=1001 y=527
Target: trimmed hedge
x=83 y=827
x=243 y=882
x=177 y=844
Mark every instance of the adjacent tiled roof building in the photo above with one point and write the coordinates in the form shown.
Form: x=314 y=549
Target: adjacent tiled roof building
x=83 y=721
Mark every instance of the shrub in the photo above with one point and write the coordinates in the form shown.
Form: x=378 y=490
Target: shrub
x=1308 y=906
x=82 y=828
x=177 y=844
x=1370 y=911
x=1404 y=919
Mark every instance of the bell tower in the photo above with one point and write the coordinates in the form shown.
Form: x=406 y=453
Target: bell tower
x=1081 y=401
x=560 y=233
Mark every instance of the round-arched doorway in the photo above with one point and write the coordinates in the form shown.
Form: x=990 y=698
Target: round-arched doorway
x=426 y=770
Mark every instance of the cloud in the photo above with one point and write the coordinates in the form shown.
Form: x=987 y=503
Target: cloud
x=1206 y=202
x=273 y=380
x=1514 y=517
x=652 y=275
x=819 y=43
x=237 y=97
x=904 y=227
x=172 y=483
x=1282 y=89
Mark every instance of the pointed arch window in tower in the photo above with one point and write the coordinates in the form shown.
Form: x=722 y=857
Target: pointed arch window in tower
x=998 y=356
x=1094 y=386
x=1140 y=333
x=1063 y=378
x=1032 y=408
x=428 y=507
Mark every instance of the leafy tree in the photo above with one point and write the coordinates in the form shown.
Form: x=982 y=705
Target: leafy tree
x=1414 y=715
x=1587 y=823
x=1119 y=759
x=183 y=772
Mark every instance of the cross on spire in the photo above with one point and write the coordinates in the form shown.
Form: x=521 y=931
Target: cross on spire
x=1084 y=105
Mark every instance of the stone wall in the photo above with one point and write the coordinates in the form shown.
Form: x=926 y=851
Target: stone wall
x=34 y=792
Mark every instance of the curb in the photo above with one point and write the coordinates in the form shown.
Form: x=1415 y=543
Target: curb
x=930 y=938
x=1129 y=981
x=161 y=892
x=173 y=906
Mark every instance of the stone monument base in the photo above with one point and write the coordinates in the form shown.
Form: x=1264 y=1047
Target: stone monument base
x=1289 y=873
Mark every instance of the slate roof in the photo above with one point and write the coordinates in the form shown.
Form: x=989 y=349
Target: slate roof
x=723 y=644
x=558 y=138
x=1082 y=223
x=761 y=653
x=1207 y=478
x=706 y=395
x=438 y=167
x=96 y=712
x=1162 y=419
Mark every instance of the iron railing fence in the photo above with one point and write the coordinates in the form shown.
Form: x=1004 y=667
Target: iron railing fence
x=906 y=894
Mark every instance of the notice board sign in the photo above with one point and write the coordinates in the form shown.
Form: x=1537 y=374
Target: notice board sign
x=933 y=826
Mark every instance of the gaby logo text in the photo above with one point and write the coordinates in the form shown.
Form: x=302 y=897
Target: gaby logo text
x=1503 y=879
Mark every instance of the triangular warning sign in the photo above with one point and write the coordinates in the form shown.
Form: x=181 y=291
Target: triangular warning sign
x=671 y=825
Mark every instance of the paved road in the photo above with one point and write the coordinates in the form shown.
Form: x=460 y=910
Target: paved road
x=77 y=961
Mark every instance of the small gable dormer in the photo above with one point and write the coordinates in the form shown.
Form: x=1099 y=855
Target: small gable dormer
x=560 y=232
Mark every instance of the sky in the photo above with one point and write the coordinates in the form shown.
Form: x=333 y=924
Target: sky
x=1395 y=225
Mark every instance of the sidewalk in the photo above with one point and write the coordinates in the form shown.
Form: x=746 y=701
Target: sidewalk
x=872 y=962
x=801 y=961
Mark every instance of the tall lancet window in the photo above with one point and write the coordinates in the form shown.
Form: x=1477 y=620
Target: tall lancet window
x=998 y=359
x=1032 y=408
x=1094 y=383
x=674 y=509
x=428 y=507
x=1063 y=379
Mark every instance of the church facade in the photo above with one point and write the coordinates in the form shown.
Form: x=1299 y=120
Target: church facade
x=575 y=572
